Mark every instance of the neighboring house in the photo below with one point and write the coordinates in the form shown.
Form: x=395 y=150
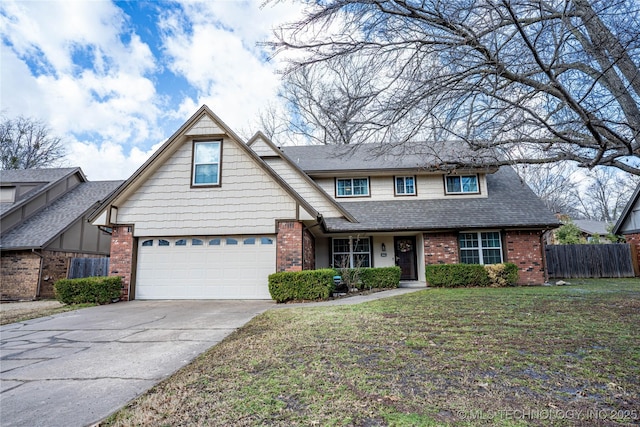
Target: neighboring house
x=43 y=218
x=591 y=229
x=208 y=216
x=628 y=224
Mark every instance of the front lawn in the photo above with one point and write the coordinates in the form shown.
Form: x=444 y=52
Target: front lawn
x=565 y=355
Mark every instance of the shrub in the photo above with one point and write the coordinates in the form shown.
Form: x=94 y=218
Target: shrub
x=305 y=285
x=99 y=290
x=380 y=277
x=456 y=275
x=501 y=275
x=466 y=275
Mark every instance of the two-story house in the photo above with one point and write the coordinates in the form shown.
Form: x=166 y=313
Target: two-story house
x=43 y=220
x=210 y=216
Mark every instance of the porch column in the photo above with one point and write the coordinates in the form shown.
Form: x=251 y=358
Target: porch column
x=290 y=254
x=122 y=257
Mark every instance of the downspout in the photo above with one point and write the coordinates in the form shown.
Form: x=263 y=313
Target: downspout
x=39 y=272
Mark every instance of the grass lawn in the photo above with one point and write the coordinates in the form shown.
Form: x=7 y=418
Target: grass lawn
x=521 y=356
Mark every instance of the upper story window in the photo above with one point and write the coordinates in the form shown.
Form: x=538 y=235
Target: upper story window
x=352 y=187
x=206 y=163
x=405 y=185
x=462 y=184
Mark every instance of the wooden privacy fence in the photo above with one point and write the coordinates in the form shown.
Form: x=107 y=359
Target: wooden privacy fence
x=611 y=260
x=88 y=267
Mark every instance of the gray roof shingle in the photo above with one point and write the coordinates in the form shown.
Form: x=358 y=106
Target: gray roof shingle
x=44 y=177
x=34 y=175
x=46 y=225
x=510 y=203
x=376 y=157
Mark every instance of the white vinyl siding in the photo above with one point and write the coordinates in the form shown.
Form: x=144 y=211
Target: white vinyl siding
x=309 y=192
x=248 y=201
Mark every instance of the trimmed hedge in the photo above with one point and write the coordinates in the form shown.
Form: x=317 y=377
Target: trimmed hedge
x=304 y=285
x=99 y=290
x=376 y=277
x=468 y=275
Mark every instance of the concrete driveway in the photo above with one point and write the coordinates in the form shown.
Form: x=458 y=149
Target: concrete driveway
x=75 y=368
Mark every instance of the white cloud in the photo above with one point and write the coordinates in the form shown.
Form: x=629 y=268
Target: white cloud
x=107 y=161
x=218 y=54
x=80 y=67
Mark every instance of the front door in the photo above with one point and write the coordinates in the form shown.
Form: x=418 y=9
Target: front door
x=405 y=248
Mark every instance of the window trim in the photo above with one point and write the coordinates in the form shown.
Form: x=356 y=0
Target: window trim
x=335 y=187
x=193 y=163
x=404 y=177
x=463 y=193
x=351 y=253
x=480 y=247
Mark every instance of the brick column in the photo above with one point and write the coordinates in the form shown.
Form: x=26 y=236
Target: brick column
x=440 y=248
x=524 y=249
x=634 y=241
x=121 y=262
x=289 y=241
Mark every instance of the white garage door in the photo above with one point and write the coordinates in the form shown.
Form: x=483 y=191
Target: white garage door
x=205 y=268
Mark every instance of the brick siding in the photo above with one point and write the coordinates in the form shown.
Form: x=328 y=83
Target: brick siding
x=20 y=271
x=441 y=248
x=55 y=266
x=634 y=241
x=122 y=251
x=524 y=248
x=289 y=256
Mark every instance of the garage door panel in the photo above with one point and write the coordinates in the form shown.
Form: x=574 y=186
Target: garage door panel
x=207 y=271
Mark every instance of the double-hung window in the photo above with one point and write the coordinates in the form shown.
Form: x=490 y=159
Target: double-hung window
x=352 y=187
x=206 y=163
x=351 y=252
x=405 y=185
x=462 y=184
x=483 y=247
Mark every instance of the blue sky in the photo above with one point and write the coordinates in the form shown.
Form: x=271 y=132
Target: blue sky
x=115 y=79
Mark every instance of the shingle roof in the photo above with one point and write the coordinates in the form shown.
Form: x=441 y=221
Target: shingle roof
x=45 y=177
x=592 y=227
x=511 y=203
x=34 y=175
x=376 y=157
x=46 y=225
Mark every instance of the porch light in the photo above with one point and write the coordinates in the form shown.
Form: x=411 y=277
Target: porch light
x=384 y=248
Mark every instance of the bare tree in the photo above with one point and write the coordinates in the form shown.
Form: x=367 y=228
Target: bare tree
x=26 y=143
x=556 y=186
x=540 y=80
x=607 y=194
